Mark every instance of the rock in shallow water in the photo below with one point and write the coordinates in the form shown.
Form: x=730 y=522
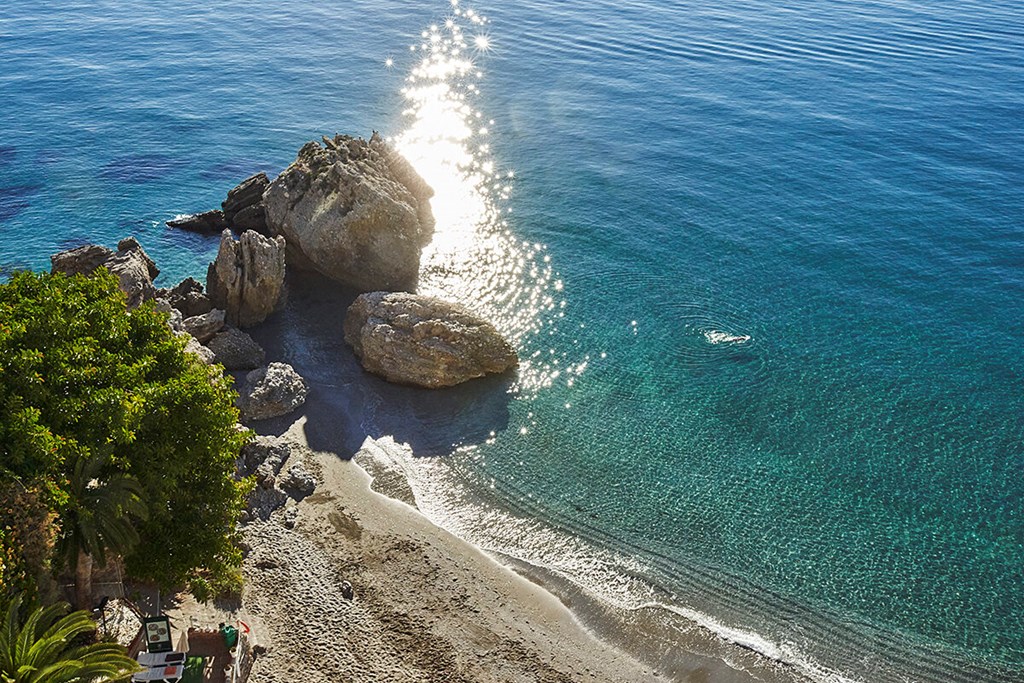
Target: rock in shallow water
x=353 y=210
x=423 y=341
x=207 y=222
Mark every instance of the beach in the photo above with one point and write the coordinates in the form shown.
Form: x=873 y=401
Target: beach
x=427 y=605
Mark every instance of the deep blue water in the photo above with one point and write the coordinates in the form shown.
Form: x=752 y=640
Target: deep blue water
x=839 y=181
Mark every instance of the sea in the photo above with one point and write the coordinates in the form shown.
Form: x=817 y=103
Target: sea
x=763 y=262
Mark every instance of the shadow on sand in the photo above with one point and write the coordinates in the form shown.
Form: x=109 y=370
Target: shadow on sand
x=345 y=404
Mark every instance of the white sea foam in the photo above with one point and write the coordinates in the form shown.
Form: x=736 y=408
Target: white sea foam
x=719 y=337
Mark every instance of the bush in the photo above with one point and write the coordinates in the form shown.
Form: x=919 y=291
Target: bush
x=80 y=376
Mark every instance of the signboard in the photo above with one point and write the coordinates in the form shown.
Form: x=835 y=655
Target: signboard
x=158 y=634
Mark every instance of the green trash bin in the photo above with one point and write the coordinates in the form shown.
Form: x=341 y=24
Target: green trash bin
x=230 y=634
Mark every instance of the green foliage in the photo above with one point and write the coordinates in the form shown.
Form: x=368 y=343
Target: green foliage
x=46 y=647
x=82 y=380
x=101 y=511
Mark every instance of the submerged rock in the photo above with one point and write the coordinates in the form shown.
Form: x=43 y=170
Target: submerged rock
x=353 y=210
x=247 y=277
x=271 y=392
x=236 y=350
x=423 y=341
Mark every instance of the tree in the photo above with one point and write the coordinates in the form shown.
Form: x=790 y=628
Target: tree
x=100 y=516
x=46 y=648
x=82 y=377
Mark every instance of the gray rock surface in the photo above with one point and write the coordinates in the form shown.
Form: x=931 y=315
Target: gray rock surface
x=261 y=450
x=247 y=277
x=298 y=481
x=205 y=354
x=207 y=222
x=132 y=244
x=187 y=296
x=80 y=260
x=236 y=350
x=243 y=208
x=131 y=264
x=133 y=275
x=204 y=327
x=423 y=341
x=271 y=392
x=353 y=210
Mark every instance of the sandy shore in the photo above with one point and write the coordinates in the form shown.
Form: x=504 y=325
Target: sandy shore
x=427 y=606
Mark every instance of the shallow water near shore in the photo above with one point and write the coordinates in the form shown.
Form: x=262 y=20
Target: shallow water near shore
x=763 y=264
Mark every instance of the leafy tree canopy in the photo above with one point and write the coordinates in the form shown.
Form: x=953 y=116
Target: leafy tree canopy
x=81 y=377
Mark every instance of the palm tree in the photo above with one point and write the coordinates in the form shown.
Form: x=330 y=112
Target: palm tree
x=45 y=649
x=99 y=517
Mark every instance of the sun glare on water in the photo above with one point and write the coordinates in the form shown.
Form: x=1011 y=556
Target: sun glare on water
x=475 y=258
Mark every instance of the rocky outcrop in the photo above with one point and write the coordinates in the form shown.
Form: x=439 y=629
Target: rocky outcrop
x=271 y=392
x=247 y=278
x=204 y=327
x=187 y=296
x=236 y=350
x=355 y=211
x=207 y=222
x=422 y=341
x=243 y=208
x=80 y=260
x=131 y=264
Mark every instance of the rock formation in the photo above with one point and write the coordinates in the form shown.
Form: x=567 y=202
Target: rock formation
x=247 y=278
x=204 y=327
x=422 y=341
x=271 y=392
x=131 y=264
x=353 y=210
x=187 y=296
x=236 y=350
x=207 y=222
x=243 y=208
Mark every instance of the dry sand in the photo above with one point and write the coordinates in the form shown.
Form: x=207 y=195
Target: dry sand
x=427 y=606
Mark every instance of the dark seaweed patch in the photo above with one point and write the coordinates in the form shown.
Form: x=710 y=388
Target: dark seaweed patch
x=140 y=168
x=16 y=198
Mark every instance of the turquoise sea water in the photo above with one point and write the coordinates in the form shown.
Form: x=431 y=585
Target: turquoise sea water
x=841 y=182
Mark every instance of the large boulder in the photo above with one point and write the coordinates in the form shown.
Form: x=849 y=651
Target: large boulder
x=236 y=350
x=131 y=264
x=423 y=341
x=247 y=278
x=271 y=392
x=355 y=211
x=80 y=260
x=204 y=327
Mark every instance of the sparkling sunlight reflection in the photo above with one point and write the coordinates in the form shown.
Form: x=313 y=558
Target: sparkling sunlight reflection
x=475 y=259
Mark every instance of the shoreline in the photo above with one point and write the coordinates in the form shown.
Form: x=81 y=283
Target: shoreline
x=333 y=425
x=427 y=605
